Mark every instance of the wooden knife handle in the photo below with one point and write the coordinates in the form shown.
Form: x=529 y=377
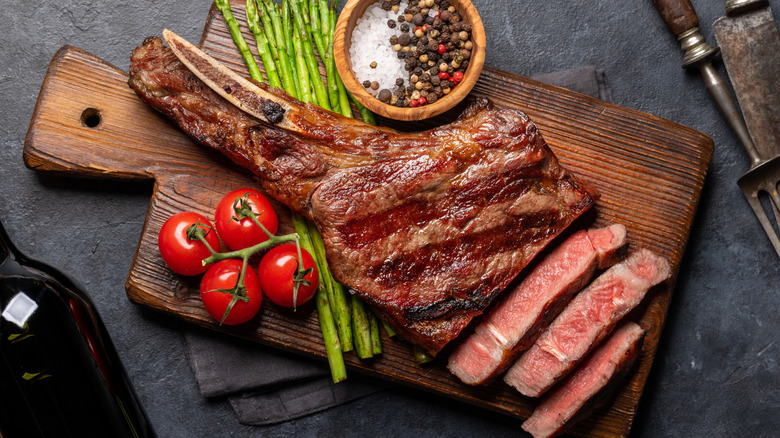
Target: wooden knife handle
x=678 y=15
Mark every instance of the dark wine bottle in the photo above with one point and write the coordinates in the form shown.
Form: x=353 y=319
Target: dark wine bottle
x=60 y=375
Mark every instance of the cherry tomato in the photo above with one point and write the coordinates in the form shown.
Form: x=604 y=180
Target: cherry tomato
x=244 y=232
x=277 y=270
x=184 y=255
x=218 y=291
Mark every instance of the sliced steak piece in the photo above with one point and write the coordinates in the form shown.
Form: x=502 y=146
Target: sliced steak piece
x=589 y=385
x=590 y=316
x=427 y=227
x=515 y=323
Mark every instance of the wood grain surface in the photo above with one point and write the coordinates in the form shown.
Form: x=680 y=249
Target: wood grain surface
x=87 y=122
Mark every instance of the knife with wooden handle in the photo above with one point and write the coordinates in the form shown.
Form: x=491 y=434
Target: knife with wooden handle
x=681 y=19
x=750 y=46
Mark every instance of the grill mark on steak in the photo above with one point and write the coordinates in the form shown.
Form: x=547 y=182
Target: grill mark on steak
x=427 y=227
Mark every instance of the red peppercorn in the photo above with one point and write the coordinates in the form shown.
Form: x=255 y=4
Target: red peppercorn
x=444 y=76
x=422 y=101
x=457 y=76
x=441 y=49
x=415 y=103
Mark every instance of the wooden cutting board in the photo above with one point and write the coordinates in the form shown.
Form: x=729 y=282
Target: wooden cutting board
x=88 y=123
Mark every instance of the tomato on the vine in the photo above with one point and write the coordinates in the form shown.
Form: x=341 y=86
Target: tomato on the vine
x=279 y=271
x=239 y=231
x=226 y=302
x=179 y=247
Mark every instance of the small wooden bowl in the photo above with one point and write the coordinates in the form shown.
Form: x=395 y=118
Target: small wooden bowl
x=353 y=10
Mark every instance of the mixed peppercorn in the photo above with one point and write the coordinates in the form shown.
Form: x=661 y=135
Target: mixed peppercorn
x=435 y=46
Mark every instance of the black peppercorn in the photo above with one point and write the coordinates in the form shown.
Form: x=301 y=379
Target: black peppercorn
x=391 y=24
x=417 y=19
x=366 y=84
x=384 y=95
x=405 y=27
x=404 y=39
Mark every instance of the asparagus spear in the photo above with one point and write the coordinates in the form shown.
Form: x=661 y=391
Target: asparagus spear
x=389 y=329
x=421 y=356
x=272 y=27
x=376 y=341
x=338 y=370
x=253 y=21
x=285 y=26
x=265 y=18
x=362 y=329
x=329 y=60
x=339 y=304
x=365 y=114
x=235 y=32
x=304 y=87
x=308 y=55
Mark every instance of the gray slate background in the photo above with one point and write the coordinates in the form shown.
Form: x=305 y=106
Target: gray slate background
x=717 y=368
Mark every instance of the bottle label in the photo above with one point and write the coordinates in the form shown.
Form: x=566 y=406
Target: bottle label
x=19 y=309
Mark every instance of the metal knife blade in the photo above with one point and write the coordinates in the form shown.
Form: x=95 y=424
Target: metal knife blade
x=750 y=47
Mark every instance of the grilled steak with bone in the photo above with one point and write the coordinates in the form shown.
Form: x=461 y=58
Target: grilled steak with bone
x=427 y=227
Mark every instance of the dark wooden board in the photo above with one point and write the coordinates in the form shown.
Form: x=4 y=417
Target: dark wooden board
x=650 y=172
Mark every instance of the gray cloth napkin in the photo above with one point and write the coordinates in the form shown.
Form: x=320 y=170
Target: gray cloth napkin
x=266 y=386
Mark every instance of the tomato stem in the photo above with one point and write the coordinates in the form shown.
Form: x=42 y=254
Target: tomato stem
x=243 y=208
x=249 y=251
x=195 y=231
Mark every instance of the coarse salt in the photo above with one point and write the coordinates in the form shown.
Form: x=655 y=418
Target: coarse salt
x=371 y=43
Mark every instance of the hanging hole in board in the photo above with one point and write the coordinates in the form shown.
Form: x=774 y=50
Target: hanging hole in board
x=91 y=117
